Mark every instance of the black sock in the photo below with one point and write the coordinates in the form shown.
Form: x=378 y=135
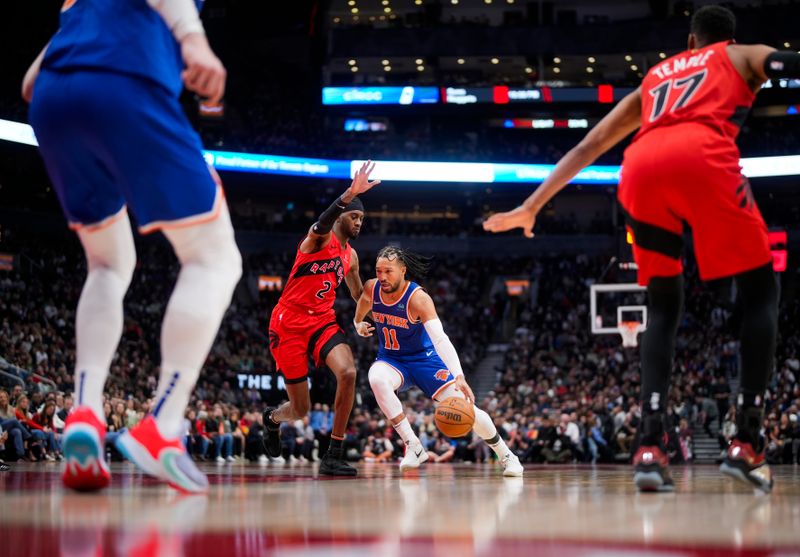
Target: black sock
x=336 y=447
x=758 y=294
x=664 y=306
x=272 y=424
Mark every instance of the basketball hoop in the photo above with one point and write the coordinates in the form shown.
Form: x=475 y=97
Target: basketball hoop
x=629 y=330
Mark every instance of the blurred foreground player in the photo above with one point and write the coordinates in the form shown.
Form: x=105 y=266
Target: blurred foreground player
x=303 y=322
x=683 y=165
x=104 y=106
x=413 y=349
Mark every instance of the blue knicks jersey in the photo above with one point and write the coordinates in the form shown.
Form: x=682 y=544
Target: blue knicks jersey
x=120 y=36
x=398 y=335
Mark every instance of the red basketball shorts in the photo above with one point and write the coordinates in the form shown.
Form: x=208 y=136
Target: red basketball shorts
x=689 y=174
x=295 y=335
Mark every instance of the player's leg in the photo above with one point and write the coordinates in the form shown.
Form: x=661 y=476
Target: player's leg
x=731 y=239
x=385 y=380
x=289 y=340
x=664 y=308
x=110 y=260
x=68 y=129
x=339 y=358
x=486 y=430
x=293 y=409
x=210 y=270
x=759 y=296
x=653 y=217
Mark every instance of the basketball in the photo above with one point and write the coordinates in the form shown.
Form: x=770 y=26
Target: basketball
x=455 y=417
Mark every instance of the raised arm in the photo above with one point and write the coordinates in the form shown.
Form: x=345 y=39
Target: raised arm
x=421 y=308
x=613 y=128
x=363 y=307
x=320 y=233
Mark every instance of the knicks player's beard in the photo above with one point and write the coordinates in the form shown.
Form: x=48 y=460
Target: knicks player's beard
x=394 y=287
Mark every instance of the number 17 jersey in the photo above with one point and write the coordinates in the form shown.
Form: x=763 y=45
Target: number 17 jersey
x=700 y=86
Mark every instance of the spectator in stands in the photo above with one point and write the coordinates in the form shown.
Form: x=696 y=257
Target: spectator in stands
x=66 y=409
x=378 y=448
x=16 y=392
x=598 y=446
x=218 y=430
x=46 y=419
x=45 y=440
x=443 y=450
x=237 y=428
x=721 y=392
x=3 y=438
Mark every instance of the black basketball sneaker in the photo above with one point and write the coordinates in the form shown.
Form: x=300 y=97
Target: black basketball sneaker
x=272 y=437
x=335 y=465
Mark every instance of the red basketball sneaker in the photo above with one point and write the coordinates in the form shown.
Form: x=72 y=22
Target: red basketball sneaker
x=651 y=471
x=85 y=468
x=166 y=459
x=744 y=463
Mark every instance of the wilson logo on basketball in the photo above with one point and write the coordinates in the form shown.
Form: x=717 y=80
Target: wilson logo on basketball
x=442 y=375
x=453 y=416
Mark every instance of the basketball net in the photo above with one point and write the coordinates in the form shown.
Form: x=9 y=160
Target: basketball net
x=629 y=330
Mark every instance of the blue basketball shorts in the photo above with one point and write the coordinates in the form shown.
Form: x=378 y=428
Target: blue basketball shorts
x=426 y=370
x=111 y=141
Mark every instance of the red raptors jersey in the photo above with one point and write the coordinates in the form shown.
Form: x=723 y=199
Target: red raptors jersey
x=700 y=86
x=315 y=276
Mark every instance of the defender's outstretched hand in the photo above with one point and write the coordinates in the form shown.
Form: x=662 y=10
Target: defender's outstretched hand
x=518 y=218
x=361 y=183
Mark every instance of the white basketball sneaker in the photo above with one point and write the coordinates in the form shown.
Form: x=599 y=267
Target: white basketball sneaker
x=415 y=455
x=511 y=465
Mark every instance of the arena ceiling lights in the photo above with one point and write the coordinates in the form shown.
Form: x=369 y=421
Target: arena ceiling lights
x=410 y=171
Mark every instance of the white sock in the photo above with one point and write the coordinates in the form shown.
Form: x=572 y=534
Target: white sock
x=486 y=430
x=405 y=432
x=110 y=258
x=210 y=268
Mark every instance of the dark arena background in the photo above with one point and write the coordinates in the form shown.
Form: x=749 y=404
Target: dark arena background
x=463 y=104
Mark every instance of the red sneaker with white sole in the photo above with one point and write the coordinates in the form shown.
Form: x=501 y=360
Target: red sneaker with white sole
x=83 y=446
x=163 y=458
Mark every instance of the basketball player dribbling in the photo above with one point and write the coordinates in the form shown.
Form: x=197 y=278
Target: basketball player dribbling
x=413 y=349
x=303 y=322
x=112 y=133
x=683 y=166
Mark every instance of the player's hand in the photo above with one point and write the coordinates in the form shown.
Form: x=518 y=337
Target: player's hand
x=204 y=73
x=520 y=217
x=361 y=183
x=466 y=390
x=364 y=329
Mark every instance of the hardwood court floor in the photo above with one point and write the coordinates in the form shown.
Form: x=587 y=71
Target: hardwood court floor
x=442 y=511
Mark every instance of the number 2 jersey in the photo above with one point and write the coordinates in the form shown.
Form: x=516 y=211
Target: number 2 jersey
x=700 y=87
x=312 y=284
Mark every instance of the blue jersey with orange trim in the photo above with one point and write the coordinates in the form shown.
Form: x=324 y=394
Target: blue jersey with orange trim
x=398 y=334
x=120 y=36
